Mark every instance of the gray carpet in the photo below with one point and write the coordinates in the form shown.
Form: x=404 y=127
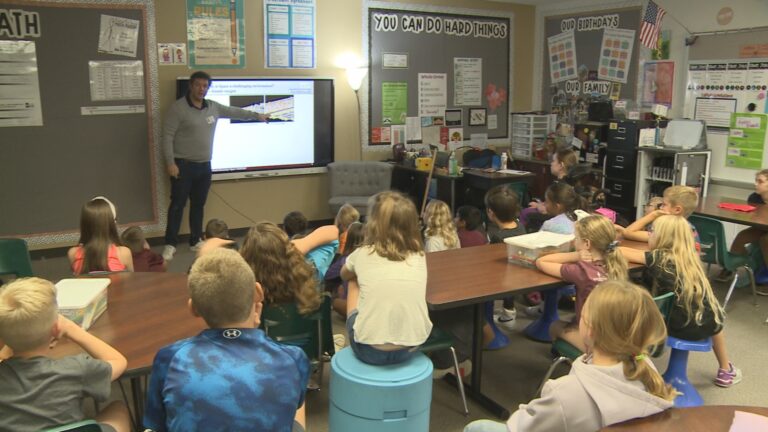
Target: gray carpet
x=511 y=375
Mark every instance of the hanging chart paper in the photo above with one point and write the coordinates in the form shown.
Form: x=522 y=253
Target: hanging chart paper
x=19 y=85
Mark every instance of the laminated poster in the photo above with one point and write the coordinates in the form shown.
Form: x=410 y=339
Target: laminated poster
x=20 y=95
x=216 y=33
x=290 y=34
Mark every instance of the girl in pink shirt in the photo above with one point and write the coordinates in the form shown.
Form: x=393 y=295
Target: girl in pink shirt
x=99 y=249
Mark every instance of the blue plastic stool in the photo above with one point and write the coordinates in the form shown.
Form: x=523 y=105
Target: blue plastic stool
x=539 y=329
x=677 y=370
x=392 y=398
x=500 y=340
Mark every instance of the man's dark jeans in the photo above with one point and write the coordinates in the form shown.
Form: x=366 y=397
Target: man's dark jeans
x=193 y=183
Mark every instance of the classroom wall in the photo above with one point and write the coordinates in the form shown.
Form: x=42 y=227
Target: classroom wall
x=339 y=24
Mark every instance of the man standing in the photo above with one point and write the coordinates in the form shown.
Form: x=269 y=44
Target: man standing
x=188 y=146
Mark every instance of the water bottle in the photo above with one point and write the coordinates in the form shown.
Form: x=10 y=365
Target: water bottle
x=504 y=158
x=453 y=166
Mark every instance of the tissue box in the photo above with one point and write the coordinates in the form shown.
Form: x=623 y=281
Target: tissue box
x=82 y=300
x=526 y=249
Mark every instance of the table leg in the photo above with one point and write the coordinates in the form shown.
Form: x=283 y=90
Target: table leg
x=137 y=394
x=474 y=391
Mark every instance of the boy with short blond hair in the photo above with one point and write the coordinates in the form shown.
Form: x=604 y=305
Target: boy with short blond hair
x=39 y=392
x=678 y=201
x=200 y=383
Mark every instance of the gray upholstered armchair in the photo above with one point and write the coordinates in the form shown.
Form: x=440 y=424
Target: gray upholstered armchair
x=355 y=181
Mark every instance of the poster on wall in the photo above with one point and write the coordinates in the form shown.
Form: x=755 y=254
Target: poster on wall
x=746 y=140
x=467 y=81
x=658 y=82
x=394 y=103
x=290 y=34
x=604 y=60
x=433 y=95
x=616 y=54
x=562 y=57
x=20 y=97
x=216 y=33
x=715 y=89
x=118 y=36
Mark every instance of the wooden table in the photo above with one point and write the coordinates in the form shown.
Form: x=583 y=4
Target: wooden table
x=145 y=312
x=472 y=276
x=698 y=419
x=484 y=180
x=708 y=206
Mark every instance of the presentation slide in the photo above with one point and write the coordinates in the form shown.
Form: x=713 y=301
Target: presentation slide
x=287 y=141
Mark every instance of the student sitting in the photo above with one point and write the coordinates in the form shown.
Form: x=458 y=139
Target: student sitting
x=595 y=260
x=216 y=235
x=752 y=235
x=469 y=227
x=231 y=376
x=565 y=206
x=321 y=255
x=563 y=161
x=144 y=260
x=280 y=267
x=333 y=275
x=386 y=303
x=677 y=201
x=39 y=392
x=673 y=265
x=346 y=216
x=440 y=231
x=615 y=382
x=502 y=206
x=99 y=249
x=295 y=223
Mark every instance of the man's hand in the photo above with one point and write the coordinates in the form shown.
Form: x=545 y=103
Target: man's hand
x=173 y=170
x=264 y=117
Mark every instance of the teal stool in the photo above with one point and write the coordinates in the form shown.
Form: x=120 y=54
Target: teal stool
x=379 y=398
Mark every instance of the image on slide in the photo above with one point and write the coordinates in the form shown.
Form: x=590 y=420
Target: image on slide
x=279 y=107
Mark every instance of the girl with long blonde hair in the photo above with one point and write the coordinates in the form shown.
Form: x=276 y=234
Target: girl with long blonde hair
x=386 y=299
x=673 y=265
x=595 y=260
x=440 y=231
x=615 y=381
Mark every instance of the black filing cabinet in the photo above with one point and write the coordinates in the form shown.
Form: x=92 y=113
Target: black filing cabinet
x=621 y=164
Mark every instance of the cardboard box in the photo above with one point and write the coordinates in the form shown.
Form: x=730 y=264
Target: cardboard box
x=526 y=249
x=82 y=300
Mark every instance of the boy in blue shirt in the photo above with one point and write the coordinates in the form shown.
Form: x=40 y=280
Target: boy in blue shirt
x=231 y=376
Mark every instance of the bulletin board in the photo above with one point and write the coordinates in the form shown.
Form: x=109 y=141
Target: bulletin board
x=728 y=73
x=436 y=71
x=81 y=115
x=590 y=53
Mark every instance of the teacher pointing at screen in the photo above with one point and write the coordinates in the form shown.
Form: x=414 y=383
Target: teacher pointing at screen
x=187 y=147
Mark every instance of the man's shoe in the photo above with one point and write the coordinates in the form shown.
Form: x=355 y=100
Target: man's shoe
x=168 y=252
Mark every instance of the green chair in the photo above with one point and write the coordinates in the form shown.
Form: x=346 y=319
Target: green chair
x=521 y=189
x=438 y=341
x=285 y=325
x=82 y=426
x=567 y=353
x=714 y=250
x=14 y=258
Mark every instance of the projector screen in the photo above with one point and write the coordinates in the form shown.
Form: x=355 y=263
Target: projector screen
x=298 y=139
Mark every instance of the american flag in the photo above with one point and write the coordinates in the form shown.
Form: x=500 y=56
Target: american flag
x=649 y=33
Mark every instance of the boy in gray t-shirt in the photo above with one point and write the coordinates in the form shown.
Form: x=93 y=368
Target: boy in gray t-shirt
x=39 y=392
